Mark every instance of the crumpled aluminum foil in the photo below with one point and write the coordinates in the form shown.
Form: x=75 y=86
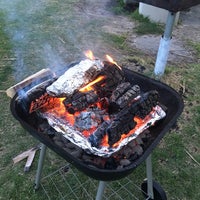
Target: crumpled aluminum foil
x=74 y=78
x=80 y=140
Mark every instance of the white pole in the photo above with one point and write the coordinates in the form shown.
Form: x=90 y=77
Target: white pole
x=164 y=47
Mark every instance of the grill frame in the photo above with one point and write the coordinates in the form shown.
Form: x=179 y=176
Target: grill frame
x=168 y=97
x=171 y=5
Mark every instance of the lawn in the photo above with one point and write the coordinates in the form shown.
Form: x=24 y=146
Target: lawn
x=36 y=35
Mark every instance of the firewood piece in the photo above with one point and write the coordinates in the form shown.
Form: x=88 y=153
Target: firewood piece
x=120 y=90
x=96 y=138
x=74 y=78
x=120 y=126
x=146 y=103
x=28 y=82
x=80 y=101
x=124 y=122
x=125 y=97
x=35 y=98
x=113 y=77
x=29 y=160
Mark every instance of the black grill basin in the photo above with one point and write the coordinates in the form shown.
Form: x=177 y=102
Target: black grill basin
x=171 y=5
x=168 y=97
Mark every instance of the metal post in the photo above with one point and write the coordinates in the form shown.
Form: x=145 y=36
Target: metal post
x=101 y=188
x=40 y=165
x=149 y=177
x=163 y=50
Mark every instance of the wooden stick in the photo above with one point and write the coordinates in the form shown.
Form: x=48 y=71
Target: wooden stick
x=22 y=155
x=39 y=75
x=29 y=160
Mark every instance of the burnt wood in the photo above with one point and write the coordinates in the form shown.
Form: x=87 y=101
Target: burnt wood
x=80 y=101
x=124 y=122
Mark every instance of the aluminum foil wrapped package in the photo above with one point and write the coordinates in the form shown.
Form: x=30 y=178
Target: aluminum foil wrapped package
x=74 y=78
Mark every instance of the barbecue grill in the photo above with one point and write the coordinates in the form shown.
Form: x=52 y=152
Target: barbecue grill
x=168 y=97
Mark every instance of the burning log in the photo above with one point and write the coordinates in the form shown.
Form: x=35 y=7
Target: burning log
x=74 y=78
x=113 y=77
x=124 y=94
x=124 y=120
x=36 y=97
x=146 y=103
x=80 y=101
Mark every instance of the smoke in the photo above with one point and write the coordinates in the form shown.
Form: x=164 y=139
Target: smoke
x=35 y=36
x=48 y=34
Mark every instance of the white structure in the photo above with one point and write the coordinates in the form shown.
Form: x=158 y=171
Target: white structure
x=155 y=14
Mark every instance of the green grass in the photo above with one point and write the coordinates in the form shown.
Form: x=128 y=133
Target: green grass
x=173 y=166
x=145 y=26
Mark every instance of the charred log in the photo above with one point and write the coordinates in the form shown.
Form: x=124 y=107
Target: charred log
x=124 y=94
x=113 y=77
x=34 y=98
x=124 y=120
x=146 y=103
x=80 y=101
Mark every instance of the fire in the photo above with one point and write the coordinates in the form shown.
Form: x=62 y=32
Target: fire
x=110 y=59
x=89 y=54
x=89 y=87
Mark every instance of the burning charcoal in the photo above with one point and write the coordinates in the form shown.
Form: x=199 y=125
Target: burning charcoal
x=74 y=78
x=97 y=136
x=85 y=121
x=133 y=157
x=80 y=101
x=139 y=150
x=77 y=153
x=124 y=94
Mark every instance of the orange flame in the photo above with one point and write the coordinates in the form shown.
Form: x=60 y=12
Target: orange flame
x=89 y=54
x=89 y=87
x=110 y=59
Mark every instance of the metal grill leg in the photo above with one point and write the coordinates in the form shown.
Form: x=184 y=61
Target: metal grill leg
x=40 y=165
x=101 y=188
x=149 y=177
x=164 y=46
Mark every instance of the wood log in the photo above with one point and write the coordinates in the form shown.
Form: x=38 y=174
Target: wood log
x=41 y=75
x=124 y=122
x=80 y=101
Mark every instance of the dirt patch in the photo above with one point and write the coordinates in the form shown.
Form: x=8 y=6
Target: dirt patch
x=187 y=29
